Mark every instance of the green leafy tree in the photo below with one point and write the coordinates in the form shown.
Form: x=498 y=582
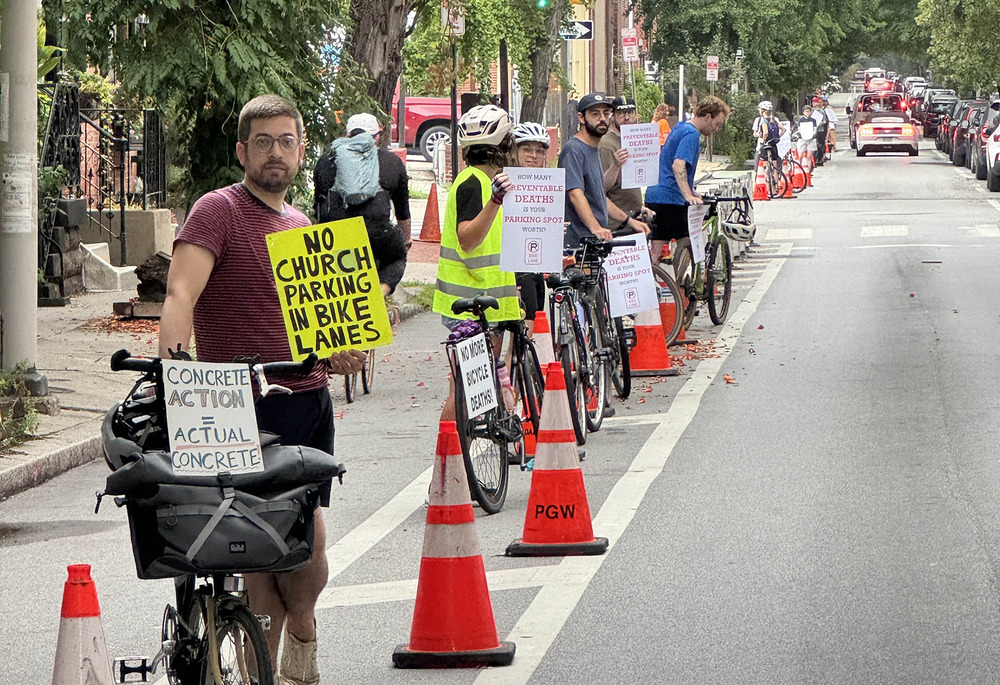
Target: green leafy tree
x=961 y=41
x=201 y=60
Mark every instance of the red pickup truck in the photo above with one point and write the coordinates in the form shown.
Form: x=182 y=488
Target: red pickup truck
x=427 y=121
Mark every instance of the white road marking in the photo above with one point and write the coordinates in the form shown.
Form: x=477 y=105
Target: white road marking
x=366 y=535
x=988 y=230
x=545 y=617
x=788 y=234
x=875 y=247
x=980 y=189
x=892 y=231
x=995 y=204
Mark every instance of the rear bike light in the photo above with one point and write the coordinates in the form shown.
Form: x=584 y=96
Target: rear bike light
x=558 y=297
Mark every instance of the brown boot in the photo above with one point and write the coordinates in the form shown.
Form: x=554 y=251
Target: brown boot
x=298 y=662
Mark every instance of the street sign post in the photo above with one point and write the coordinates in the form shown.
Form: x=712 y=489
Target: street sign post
x=577 y=30
x=630 y=46
x=712 y=68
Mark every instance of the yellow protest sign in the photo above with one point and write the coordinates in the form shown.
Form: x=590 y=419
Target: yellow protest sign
x=329 y=290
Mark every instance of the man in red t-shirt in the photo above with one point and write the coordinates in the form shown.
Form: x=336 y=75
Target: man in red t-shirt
x=221 y=286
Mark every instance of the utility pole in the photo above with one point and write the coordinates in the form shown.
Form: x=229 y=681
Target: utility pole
x=19 y=190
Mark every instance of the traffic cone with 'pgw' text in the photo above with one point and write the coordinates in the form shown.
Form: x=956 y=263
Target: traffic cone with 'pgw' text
x=81 y=653
x=430 y=229
x=649 y=357
x=453 y=621
x=557 y=522
x=760 y=184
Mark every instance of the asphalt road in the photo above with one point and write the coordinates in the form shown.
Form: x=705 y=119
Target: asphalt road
x=829 y=516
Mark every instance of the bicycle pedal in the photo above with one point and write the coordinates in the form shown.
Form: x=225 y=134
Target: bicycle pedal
x=132 y=669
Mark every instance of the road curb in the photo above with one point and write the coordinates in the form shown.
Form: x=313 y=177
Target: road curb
x=40 y=469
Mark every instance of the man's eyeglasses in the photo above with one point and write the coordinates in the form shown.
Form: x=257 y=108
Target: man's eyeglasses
x=264 y=142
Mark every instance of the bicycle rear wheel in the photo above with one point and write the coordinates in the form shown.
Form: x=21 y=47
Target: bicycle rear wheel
x=671 y=304
x=596 y=376
x=776 y=181
x=621 y=370
x=243 y=657
x=684 y=268
x=719 y=280
x=368 y=372
x=351 y=387
x=569 y=359
x=528 y=383
x=796 y=170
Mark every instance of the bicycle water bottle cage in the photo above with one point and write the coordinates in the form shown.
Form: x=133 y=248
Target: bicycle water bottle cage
x=464 y=330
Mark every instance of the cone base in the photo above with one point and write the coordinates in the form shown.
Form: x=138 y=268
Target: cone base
x=654 y=372
x=594 y=547
x=501 y=655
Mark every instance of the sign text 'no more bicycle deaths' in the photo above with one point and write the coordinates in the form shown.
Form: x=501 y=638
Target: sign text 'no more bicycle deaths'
x=328 y=288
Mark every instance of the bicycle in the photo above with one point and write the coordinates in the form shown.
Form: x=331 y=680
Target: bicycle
x=711 y=280
x=793 y=169
x=775 y=178
x=367 y=377
x=494 y=439
x=211 y=636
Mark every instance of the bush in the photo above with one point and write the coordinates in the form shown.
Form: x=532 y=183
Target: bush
x=18 y=416
x=736 y=138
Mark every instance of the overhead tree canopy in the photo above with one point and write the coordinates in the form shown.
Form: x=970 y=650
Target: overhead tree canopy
x=963 y=41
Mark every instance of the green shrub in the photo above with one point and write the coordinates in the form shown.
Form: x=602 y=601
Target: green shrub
x=18 y=416
x=736 y=138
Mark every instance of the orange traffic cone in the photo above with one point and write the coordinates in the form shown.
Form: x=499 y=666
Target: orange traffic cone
x=798 y=178
x=81 y=653
x=542 y=337
x=430 y=229
x=557 y=522
x=760 y=184
x=786 y=187
x=529 y=438
x=807 y=166
x=649 y=357
x=453 y=624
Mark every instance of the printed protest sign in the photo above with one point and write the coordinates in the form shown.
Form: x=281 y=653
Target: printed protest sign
x=210 y=418
x=785 y=142
x=631 y=288
x=328 y=288
x=807 y=129
x=476 y=375
x=532 y=237
x=642 y=168
x=696 y=231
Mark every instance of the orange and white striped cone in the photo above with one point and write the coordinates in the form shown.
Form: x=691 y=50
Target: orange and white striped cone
x=760 y=183
x=542 y=337
x=81 y=653
x=649 y=357
x=807 y=166
x=453 y=624
x=557 y=522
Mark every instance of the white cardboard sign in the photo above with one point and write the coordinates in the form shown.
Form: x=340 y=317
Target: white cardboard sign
x=210 y=418
x=807 y=129
x=476 y=375
x=697 y=230
x=631 y=287
x=785 y=142
x=533 y=209
x=642 y=168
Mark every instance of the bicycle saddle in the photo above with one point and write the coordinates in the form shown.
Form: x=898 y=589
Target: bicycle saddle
x=475 y=304
x=571 y=279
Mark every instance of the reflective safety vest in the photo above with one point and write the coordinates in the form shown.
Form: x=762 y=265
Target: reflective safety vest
x=467 y=274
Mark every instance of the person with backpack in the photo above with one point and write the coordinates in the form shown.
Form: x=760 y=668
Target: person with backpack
x=356 y=177
x=822 y=127
x=767 y=130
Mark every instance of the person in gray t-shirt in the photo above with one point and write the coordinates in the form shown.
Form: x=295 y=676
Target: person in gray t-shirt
x=587 y=206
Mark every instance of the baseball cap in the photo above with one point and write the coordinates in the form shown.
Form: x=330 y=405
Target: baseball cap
x=365 y=122
x=592 y=100
x=623 y=102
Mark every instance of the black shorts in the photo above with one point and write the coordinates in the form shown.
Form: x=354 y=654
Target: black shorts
x=670 y=222
x=532 y=287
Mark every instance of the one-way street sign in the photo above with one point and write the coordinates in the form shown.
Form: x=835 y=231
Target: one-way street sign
x=577 y=30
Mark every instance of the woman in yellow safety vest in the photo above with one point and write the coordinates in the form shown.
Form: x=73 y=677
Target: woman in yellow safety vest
x=469 y=264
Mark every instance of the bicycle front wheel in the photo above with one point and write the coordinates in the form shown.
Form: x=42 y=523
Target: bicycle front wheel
x=528 y=383
x=351 y=387
x=684 y=269
x=776 y=181
x=368 y=372
x=719 y=280
x=671 y=304
x=621 y=369
x=569 y=357
x=596 y=376
x=243 y=657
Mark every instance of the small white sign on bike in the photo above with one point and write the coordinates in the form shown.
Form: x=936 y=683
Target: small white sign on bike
x=476 y=373
x=631 y=286
x=210 y=418
x=697 y=230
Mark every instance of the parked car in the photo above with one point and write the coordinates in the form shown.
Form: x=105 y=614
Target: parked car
x=427 y=121
x=993 y=155
x=929 y=95
x=965 y=126
x=933 y=117
x=888 y=132
x=977 y=156
x=945 y=129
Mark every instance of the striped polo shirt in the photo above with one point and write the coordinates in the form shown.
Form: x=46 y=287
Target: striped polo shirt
x=238 y=313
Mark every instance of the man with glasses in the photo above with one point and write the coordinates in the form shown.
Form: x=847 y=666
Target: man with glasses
x=613 y=156
x=587 y=207
x=221 y=286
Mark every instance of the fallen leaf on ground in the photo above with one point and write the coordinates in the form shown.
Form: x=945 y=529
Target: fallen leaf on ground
x=760 y=327
x=729 y=379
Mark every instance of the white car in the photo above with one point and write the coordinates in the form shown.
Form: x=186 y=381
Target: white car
x=993 y=154
x=887 y=132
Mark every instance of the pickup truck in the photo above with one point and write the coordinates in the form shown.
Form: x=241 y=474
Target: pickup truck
x=427 y=120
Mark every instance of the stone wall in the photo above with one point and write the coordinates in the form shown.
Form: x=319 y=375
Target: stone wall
x=146 y=233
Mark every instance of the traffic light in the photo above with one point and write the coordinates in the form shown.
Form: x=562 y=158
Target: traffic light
x=542 y=4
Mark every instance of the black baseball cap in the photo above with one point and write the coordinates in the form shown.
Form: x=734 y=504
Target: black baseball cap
x=592 y=100
x=623 y=102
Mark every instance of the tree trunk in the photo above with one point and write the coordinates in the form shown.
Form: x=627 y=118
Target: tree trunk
x=542 y=56
x=376 y=44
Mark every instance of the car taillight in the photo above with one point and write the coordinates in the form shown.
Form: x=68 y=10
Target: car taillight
x=867 y=130
x=996 y=137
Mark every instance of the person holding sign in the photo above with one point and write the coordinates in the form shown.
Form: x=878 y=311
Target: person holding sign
x=807 y=132
x=587 y=207
x=531 y=143
x=221 y=285
x=613 y=157
x=678 y=163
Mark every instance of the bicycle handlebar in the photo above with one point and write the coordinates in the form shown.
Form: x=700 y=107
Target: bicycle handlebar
x=122 y=360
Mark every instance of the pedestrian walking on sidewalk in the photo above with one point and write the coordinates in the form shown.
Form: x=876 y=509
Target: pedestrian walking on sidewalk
x=221 y=286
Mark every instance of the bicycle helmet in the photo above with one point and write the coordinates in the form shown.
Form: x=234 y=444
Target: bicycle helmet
x=743 y=233
x=766 y=106
x=484 y=125
x=530 y=132
x=135 y=425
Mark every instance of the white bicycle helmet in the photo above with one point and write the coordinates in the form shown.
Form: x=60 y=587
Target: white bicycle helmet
x=743 y=233
x=484 y=125
x=530 y=132
x=766 y=105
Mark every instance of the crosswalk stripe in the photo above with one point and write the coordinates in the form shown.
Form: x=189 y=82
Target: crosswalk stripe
x=988 y=230
x=894 y=230
x=789 y=234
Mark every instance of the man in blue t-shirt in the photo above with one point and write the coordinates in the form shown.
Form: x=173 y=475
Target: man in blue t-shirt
x=678 y=162
x=587 y=206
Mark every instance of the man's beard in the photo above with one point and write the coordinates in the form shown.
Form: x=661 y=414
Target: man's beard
x=592 y=130
x=265 y=178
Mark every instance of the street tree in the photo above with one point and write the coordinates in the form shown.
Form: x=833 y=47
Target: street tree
x=961 y=41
